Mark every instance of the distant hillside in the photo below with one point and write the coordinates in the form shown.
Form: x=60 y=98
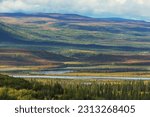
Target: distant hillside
x=75 y=31
x=58 y=16
x=74 y=17
x=6 y=36
x=45 y=41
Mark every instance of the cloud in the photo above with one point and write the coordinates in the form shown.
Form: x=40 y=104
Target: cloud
x=137 y=9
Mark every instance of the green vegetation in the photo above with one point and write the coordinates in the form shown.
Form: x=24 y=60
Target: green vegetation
x=49 y=89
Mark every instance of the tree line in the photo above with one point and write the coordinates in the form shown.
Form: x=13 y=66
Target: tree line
x=53 y=89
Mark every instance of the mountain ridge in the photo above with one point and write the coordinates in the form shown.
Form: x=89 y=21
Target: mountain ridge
x=68 y=17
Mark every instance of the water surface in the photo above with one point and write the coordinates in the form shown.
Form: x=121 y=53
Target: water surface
x=81 y=77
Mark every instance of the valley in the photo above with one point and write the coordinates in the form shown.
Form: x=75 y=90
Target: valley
x=73 y=45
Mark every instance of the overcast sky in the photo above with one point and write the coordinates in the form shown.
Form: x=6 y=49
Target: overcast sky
x=135 y=9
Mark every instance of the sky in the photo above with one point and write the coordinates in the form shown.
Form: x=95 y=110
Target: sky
x=131 y=9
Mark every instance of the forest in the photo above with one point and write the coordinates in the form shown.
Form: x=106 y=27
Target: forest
x=73 y=89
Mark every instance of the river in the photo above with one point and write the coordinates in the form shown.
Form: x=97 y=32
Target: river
x=81 y=77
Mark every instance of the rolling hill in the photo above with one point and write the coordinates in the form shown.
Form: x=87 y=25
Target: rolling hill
x=32 y=42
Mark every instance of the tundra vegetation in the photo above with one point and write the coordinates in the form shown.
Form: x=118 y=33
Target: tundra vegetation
x=105 y=46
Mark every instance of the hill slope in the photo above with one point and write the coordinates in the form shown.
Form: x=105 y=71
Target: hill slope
x=70 y=41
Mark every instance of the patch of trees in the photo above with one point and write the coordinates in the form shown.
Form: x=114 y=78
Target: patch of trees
x=53 y=89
